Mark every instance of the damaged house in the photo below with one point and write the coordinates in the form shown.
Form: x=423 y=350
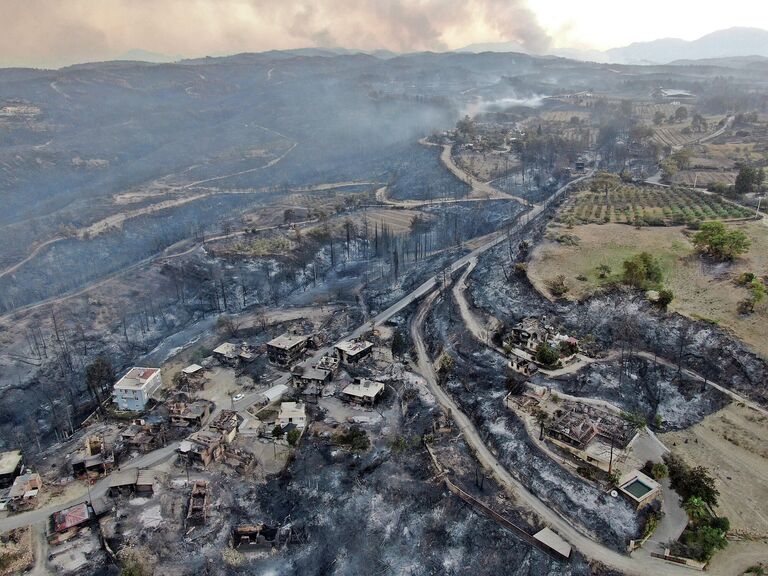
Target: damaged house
x=254 y=537
x=592 y=435
x=189 y=415
x=201 y=448
x=199 y=505
x=352 y=351
x=226 y=423
x=95 y=459
x=287 y=349
x=233 y=355
x=143 y=437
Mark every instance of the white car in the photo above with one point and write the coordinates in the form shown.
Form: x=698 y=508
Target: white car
x=238 y=397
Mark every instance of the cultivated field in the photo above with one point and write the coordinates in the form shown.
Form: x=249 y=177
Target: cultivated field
x=630 y=204
x=727 y=154
x=703 y=178
x=486 y=165
x=397 y=221
x=565 y=116
x=647 y=110
x=672 y=135
x=701 y=290
x=733 y=445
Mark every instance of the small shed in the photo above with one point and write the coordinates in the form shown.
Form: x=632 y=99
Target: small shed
x=554 y=542
x=122 y=482
x=273 y=394
x=145 y=482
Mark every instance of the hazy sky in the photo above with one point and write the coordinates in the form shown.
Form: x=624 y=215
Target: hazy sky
x=57 y=32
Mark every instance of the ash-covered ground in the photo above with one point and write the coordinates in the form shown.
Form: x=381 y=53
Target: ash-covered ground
x=383 y=512
x=644 y=388
x=380 y=511
x=478 y=385
x=623 y=318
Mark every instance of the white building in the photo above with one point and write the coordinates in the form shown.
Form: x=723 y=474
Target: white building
x=273 y=394
x=351 y=351
x=363 y=391
x=134 y=389
x=292 y=413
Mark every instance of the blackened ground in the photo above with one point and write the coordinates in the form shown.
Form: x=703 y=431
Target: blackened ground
x=625 y=317
x=478 y=385
x=644 y=388
x=382 y=513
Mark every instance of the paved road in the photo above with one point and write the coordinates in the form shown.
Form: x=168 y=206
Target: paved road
x=493 y=240
x=97 y=490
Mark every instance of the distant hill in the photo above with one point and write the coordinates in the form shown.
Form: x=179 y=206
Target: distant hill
x=733 y=42
x=147 y=56
x=572 y=53
x=723 y=44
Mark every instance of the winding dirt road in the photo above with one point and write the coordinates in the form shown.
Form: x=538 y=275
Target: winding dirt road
x=640 y=563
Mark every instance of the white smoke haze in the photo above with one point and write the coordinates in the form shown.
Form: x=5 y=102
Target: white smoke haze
x=59 y=32
x=481 y=106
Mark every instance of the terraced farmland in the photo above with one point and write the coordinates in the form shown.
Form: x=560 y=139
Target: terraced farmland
x=673 y=136
x=647 y=206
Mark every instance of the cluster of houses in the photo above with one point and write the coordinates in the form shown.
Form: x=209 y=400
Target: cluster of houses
x=19 y=486
x=524 y=340
x=595 y=438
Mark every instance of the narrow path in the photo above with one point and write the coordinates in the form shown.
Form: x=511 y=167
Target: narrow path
x=40 y=548
x=480 y=190
x=30 y=256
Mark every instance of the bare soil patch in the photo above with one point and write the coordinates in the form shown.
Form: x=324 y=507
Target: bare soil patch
x=702 y=289
x=733 y=444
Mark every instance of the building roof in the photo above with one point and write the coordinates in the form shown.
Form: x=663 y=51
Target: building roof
x=292 y=410
x=136 y=378
x=71 y=517
x=21 y=485
x=364 y=389
x=353 y=347
x=310 y=373
x=9 y=461
x=287 y=341
x=125 y=477
x=275 y=392
x=673 y=93
x=554 y=541
x=192 y=369
x=227 y=349
x=145 y=478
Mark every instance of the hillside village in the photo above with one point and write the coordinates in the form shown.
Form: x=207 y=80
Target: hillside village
x=539 y=352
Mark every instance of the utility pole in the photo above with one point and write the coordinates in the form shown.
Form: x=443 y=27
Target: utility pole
x=610 y=461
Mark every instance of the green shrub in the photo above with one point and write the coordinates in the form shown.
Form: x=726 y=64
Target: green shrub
x=293 y=436
x=547 y=355
x=659 y=471
x=642 y=271
x=354 y=438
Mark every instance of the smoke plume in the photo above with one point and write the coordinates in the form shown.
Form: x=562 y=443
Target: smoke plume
x=54 y=32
